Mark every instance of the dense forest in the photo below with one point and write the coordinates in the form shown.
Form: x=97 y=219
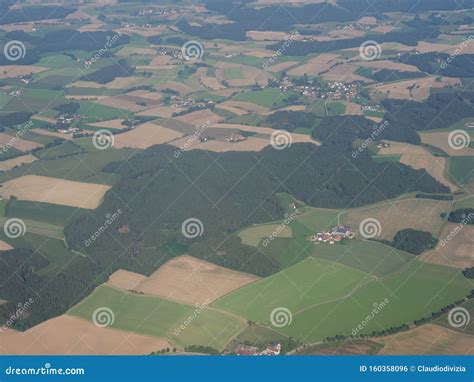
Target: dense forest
x=461 y=215
x=31 y=13
x=108 y=73
x=59 y=40
x=441 y=63
x=413 y=241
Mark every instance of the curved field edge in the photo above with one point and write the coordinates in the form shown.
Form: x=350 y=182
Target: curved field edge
x=414 y=293
x=179 y=324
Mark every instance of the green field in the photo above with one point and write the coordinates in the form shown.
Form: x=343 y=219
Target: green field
x=311 y=281
x=44 y=212
x=326 y=300
x=460 y=169
x=158 y=317
x=99 y=112
x=233 y=73
x=64 y=149
x=40 y=228
x=335 y=108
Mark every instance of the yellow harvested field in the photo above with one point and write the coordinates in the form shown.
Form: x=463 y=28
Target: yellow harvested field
x=253 y=235
x=161 y=111
x=249 y=107
x=43 y=118
x=455 y=247
x=344 y=72
x=386 y=64
x=56 y=191
x=316 y=65
x=52 y=133
x=9 y=71
x=68 y=335
x=291 y=108
x=251 y=75
x=4 y=247
x=232 y=109
x=135 y=51
x=271 y=36
x=18 y=161
x=352 y=108
x=417 y=89
x=427 y=339
x=441 y=139
x=200 y=117
x=426 y=47
x=193 y=281
x=145 y=135
x=367 y=20
x=282 y=66
x=123 y=82
x=125 y=280
x=419 y=214
x=253 y=143
x=111 y=124
x=419 y=157
x=83 y=97
x=383 y=29
x=18 y=143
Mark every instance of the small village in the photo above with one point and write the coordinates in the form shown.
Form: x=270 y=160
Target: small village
x=334 y=235
x=243 y=349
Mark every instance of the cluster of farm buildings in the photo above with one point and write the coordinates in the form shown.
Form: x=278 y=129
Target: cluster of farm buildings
x=334 y=235
x=243 y=349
